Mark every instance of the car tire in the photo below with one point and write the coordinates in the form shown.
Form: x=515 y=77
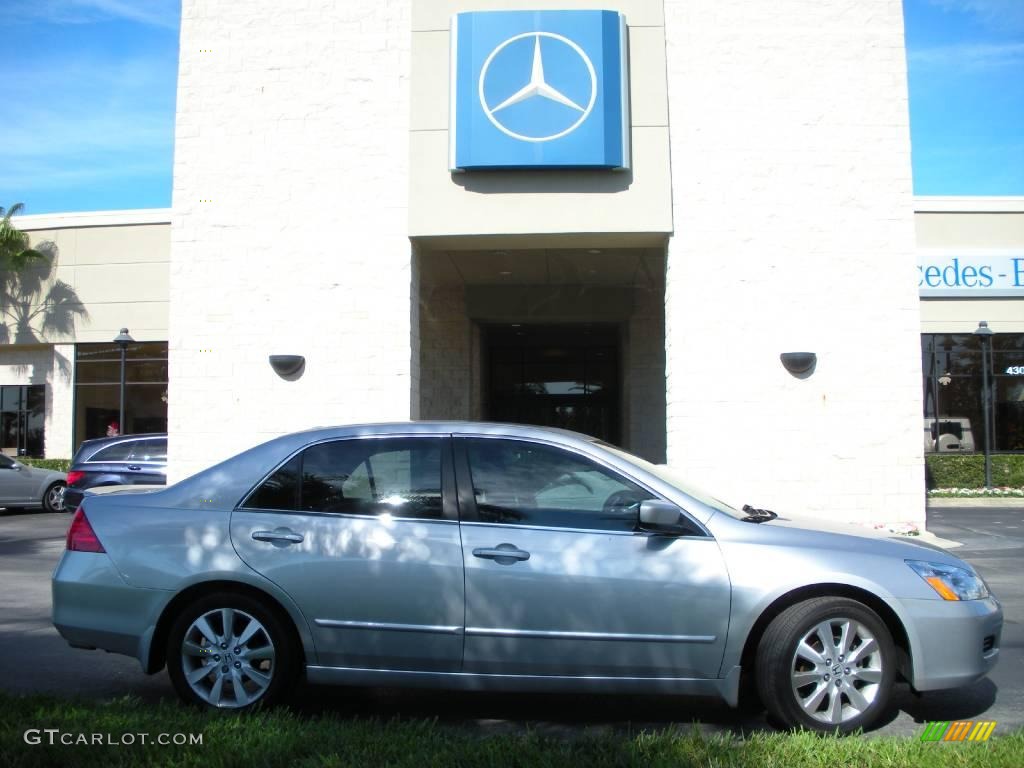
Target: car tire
x=53 y=498
x=827 y=664
x=254 y=664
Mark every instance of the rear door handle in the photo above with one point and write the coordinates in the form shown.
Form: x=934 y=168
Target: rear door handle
x=503 y=554
x=134 y=467
x=279 y=536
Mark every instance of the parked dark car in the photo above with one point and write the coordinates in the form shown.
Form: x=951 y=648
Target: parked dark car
x=123 y=460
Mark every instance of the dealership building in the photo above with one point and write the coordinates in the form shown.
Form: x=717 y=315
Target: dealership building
x=686 y=228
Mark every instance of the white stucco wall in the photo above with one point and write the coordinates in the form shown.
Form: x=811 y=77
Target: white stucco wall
x=793 y=219
x=289 y=227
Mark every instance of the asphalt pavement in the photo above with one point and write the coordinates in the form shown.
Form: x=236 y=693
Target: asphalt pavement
x=35 y=659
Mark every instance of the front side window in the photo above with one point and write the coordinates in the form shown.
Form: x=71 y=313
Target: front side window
x=531 y=484
x=399 y=476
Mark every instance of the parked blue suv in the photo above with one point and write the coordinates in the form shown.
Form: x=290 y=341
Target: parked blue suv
x=123 y=460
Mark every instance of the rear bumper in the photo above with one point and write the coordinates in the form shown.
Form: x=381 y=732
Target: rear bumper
x=953 y=643
x=93 y=607
x=72 y=498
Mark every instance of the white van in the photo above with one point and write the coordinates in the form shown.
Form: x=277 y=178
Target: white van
x=955 y=435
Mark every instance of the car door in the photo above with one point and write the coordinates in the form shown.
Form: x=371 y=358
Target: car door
x=560 y=581
x=17 y=483
x=146 y=463
x=363 y=534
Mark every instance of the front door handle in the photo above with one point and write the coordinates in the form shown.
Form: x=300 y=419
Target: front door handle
x=134 y=467
x=503 y=554
x=278 y=537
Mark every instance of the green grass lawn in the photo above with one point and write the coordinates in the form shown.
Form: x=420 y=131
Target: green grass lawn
x=283 y=738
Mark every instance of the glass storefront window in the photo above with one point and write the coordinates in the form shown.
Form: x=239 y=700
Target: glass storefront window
x=952 y=379
x=98 y=389
x=22 y=415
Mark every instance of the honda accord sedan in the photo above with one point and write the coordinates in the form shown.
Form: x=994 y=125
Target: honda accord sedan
x=513 y=558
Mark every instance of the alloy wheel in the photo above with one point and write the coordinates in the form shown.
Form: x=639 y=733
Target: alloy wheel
x=228 y=658
x=836 y=671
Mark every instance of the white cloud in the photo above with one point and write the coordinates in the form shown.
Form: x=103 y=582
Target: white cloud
x=999 y=15
x=970 y=56
x=154 y=13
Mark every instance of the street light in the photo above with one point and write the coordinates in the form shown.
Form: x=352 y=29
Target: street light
x=984 y=334
x=123 y=340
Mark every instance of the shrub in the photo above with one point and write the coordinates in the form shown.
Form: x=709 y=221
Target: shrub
x=61 y=465
x=968 y=471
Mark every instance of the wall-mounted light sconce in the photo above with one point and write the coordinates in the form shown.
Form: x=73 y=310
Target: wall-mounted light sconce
x=287 y=366
x=799 y=363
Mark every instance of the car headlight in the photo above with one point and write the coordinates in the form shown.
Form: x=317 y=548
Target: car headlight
x=950 y=581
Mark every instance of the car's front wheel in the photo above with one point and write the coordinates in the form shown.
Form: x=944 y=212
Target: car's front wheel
x=228 y=651
x=826 y=664
x=53 y=499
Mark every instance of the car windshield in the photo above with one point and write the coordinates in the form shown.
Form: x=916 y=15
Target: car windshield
x=665 y=473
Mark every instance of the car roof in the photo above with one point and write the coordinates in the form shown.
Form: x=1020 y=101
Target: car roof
x=444 y=428
x=90 y=447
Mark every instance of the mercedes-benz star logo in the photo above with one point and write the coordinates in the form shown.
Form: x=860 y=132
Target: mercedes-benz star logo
x=538 y=87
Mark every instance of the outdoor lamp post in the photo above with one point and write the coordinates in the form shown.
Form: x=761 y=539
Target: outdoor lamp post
x=984 y=334
x=123 y=340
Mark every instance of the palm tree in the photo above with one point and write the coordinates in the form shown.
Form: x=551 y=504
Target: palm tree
x=15 y=253
x=33 y=303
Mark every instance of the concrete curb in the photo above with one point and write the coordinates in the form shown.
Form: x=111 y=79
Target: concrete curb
x=1005 y=503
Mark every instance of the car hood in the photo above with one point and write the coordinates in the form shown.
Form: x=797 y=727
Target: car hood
x=800 y=531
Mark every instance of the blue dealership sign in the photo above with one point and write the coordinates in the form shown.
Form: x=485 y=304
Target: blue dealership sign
x=539 y=89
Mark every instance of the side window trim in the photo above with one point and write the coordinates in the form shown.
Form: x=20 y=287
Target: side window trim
x=468 y=512
x=449 y=508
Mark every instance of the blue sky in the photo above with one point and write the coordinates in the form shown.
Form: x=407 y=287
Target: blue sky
x=89 y=86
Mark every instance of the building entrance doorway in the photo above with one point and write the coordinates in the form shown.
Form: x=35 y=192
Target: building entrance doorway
x=554 y=376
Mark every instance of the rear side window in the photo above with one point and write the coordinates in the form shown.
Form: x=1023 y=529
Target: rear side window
x=280 y=490
x=399 y=476
x=149 y=450
x=115 y=452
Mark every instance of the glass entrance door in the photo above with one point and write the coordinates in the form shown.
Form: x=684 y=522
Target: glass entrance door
x=554 y=376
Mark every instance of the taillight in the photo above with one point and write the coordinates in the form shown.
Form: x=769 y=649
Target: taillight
x=81 y=536
x=75 y=476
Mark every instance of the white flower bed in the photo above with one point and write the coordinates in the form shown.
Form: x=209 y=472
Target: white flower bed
x=977 y=493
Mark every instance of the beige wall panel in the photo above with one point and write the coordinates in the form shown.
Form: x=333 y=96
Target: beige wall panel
x=962 y=315
x=648 y=102
x=969 y=230
x=105 y=283
x=146 y=321
x=428 y=99
x=123 y=245
x=430 y=15
x=121 y=275
x=542 y=202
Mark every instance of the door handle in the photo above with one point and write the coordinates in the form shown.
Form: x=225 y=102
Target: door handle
x=279 y=536
x=134 y=467
x=503 y=554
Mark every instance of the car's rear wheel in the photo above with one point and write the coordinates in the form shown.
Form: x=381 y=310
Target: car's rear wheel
x=53 y=499
x=228 y=651
x=826 y=664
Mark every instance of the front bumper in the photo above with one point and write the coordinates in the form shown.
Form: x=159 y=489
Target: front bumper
x=953 y=643
x=93 y=606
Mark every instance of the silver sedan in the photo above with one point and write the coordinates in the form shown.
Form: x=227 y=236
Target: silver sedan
x=25 y=486
x=495 y=557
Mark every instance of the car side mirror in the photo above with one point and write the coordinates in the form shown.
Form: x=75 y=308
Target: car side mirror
x=661 y=517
